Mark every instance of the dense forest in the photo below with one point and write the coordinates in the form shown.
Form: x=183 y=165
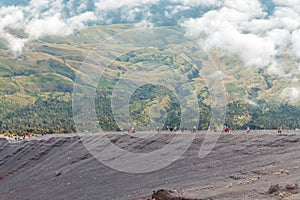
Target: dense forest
x=54 y=115
x=44 y=116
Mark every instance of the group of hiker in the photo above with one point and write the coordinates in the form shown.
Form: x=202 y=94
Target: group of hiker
x=131 y=130
x=175 y=129
x=193 y=129
x=16 y=137
x=225 y=129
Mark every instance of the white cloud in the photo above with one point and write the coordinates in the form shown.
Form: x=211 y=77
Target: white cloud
x=173 y=10
x=105 y=5
x=39 y=4
x=286 y=18
x=274 y=69
x=224 y=29
x=251 y=7
x=144 y=24
x=291 y=93
x=296 y=43
x=11 y=17
x=243 y=28
x=252 y=49
x=39 y=18
x=78 y=22
x=14 y=44
x=82 y=7
x=240 y=27
x=55 y=17
x=289 y=3
x=48 y=26
x=198 y=2
x=280 y=37
x=131 y=14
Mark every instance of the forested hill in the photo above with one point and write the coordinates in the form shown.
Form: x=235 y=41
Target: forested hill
x=36 y=88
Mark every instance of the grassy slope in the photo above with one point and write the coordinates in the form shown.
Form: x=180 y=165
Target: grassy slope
x=47 y=70
x=53 y=62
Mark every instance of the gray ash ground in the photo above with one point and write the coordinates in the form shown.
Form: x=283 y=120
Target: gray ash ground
x=241 y=166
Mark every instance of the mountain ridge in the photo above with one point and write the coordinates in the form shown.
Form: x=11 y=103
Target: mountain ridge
x=48 y=69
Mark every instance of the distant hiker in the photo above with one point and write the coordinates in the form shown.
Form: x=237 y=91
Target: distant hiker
x=158 y=129
x=168 y=128
x=131 y=130
x=248 y=129
x=226 y=129
x=23 y=137
x=194 y=129
x=182 y=129
x=215 y=129
x=279 y=130
x=175 y=129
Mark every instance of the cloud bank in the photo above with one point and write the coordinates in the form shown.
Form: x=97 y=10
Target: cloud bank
x=251 y=31
x=28 y=20
x=20 y=24
x=258 y=31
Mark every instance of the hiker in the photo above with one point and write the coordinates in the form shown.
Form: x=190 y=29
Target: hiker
x=248 y=129
x=133 y=130
x=194 y=129
x=279 y=130
x=215 y=129
x=226 y=129
x=158 y=129
x=168 y=128
x=175 y=129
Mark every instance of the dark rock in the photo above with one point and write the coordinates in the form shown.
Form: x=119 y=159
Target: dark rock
x=273 y=188
x=57 y=173
x=291 y=186
x=163 y=194
x=237 y=177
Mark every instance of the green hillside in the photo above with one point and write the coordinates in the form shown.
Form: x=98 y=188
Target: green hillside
x=36 y=87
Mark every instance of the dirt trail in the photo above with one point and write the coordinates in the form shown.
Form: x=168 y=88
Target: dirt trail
x=241 y=166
